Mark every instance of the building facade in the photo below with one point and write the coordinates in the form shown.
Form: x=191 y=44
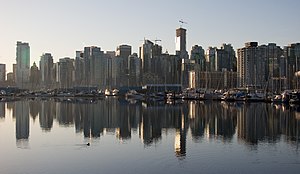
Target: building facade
x=225 y=58
x=35 y=77
x=181 y=43
x=291 y=55
x=211 y=58
x=2 y=73
x=65 y=75
x=123 y=52
x=79 y=69
x=146 y=56
x=251 y=66
x=272 y=54
x=134 y=64
x=46 y=68
x=198 y=55
x=23 y=64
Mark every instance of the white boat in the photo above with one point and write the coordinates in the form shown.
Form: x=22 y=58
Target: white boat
x=115 y=92
x=107 y=92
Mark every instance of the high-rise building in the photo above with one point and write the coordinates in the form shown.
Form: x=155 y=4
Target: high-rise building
x=150 y=55
x=251 y=68
x=79 y=69
x=10 y=79
x=14 y=73
x=166 y=70
x=124 y=51
x=35 y=76
x=211 y=58
x=134 y=64
x=157 y=59
x=198 y=54
x=101 y=71
x=93 y=65
x=181 y=43
x=156 y=51
x=292 y=57
x=23 y=64
x=114 y=69
x=65 y=72
x=146 y=55
x=187 y=66
x=225 y=58
x=46 y=68
x=272 y=54
x=2 y=72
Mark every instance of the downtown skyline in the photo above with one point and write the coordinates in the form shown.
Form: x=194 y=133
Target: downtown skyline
x=61 y=28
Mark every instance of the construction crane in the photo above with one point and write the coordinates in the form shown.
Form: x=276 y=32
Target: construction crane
x=182 y=22
x=156 y=40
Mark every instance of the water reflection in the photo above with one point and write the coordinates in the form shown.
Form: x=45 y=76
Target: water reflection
x=22 y=119
x=252 y=123
x=2 y=110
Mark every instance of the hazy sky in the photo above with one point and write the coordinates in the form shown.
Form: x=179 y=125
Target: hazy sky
x=63 y=26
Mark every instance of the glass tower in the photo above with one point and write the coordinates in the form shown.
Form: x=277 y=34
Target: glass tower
x=23 y=64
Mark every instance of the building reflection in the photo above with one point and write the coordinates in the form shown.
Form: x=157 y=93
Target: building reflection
x=22 y=119
x=212 y=120
x=47 y=113
x=260 y=122
x=180 y=137
x=250 y=122
x=2 y=110
x=34 y=108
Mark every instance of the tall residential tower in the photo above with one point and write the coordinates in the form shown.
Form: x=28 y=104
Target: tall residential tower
x=23 y=64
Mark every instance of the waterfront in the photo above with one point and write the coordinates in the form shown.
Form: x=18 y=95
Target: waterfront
x=47 y=136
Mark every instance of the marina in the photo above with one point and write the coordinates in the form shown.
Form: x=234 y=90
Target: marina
x=161 y=94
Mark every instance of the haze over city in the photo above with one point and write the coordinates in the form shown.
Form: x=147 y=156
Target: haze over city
x=62 y=27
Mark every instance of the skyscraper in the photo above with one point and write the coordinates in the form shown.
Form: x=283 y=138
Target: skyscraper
x=35 y=76
x=225 y=58
x=79 y=69
x=251 y=68
x=65 y=72
x=146 y=55
x=93 y=64
x=23 y=64
x=124 y=51
x=292 y=58
x=2 y=72
x=181 y=43
x=273 y=56
x=134 y=64
x=198 y=54
x=46 y=67
x=211 y=58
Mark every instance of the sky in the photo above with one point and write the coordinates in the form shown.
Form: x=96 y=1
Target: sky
x=61 y=27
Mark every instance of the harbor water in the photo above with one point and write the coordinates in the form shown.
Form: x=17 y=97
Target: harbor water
x=113 y=135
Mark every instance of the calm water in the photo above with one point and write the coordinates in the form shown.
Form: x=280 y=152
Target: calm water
x=50 y=137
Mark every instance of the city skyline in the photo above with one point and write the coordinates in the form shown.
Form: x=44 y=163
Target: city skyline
x=61 y=28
